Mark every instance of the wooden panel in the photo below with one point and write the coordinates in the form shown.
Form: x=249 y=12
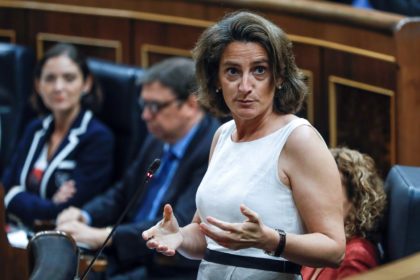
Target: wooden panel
x=7 y=36
x=308 y=60
x=150 y=54
x=156 y=41
x=106 y=38
x=338 y=37
x=12 y=26
x=106 y=49
x=360 y=68
x=408 y=102
x=361 y=118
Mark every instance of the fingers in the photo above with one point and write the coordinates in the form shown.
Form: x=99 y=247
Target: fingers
x=154 y=244
x=222 y=225
x=167 y=216
x=223 y=238
x=69 y=214
x=217 y=235
x=167 y=213
x=161 y=248
x=148 y=234
x=69 y=227
x=165 y=250
x=251 y=215
x=234 y=235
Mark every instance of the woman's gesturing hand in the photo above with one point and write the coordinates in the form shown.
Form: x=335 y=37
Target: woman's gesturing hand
x=165 y=237
x=251 y=233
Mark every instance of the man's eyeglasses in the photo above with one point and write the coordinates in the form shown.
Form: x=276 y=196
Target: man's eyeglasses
x=155 y=106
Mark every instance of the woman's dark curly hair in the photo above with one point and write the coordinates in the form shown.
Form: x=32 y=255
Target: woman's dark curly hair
x=248 y=27
x=365 y=191
x=91 y=101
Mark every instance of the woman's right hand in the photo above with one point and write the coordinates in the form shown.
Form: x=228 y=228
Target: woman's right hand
x=70 y=214
x=165 y=237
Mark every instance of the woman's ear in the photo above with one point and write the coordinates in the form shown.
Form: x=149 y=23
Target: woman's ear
x=88 y=84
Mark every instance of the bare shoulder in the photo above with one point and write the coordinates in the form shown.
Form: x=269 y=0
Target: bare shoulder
x=306 y=152
x=303 y=139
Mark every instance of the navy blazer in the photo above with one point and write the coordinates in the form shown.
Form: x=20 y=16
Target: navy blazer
x=85 y=156
x=127 y=245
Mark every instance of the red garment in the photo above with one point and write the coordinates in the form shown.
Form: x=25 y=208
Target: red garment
x=361 y=255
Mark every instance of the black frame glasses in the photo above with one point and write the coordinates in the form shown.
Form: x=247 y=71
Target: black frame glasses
x=155 y=106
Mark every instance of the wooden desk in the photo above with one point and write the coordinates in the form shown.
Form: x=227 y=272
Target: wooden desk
x=13 y=261
x=407 y=268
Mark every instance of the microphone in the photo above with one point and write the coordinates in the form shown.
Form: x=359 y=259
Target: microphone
x=149 y=175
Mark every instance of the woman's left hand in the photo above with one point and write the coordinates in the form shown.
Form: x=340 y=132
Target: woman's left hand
x=65 y=192
x=251 y=233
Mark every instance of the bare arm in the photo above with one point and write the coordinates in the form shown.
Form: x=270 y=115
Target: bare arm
x=167 y=237
x=89 y=236
x=194 y=242
x=315 y=183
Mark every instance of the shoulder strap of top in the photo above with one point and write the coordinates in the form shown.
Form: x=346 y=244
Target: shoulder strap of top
x=288 y=129
x=227 y=130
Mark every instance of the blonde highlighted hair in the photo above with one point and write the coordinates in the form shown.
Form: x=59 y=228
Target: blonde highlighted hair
x=365 y=191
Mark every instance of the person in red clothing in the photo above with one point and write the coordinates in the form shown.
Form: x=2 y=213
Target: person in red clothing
x=364 y=205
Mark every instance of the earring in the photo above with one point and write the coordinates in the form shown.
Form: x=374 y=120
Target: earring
x=279 y=87
x=218 y=90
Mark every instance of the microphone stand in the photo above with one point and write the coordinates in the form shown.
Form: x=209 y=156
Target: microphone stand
x=149 y=175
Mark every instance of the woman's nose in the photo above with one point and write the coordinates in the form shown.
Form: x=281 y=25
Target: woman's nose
x=59 y=84
x=246 y=83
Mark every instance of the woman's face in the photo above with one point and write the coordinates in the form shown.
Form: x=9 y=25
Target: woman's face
x=61 y=84
x=246 y=80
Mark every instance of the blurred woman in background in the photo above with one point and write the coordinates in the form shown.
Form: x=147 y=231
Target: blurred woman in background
x=364 y=205
x=65 y=157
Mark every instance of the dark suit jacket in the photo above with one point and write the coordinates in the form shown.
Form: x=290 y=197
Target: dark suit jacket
x=129 y=248
x=85 y=155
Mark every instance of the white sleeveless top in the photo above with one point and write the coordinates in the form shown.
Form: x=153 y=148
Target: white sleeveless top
x=247 y=173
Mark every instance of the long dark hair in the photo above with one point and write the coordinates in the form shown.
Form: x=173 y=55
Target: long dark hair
x=91 y=101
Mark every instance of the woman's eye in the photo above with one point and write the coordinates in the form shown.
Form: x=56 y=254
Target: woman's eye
x=49 y=78
x=232 y=71
x=259 y=70
x=69 y=77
